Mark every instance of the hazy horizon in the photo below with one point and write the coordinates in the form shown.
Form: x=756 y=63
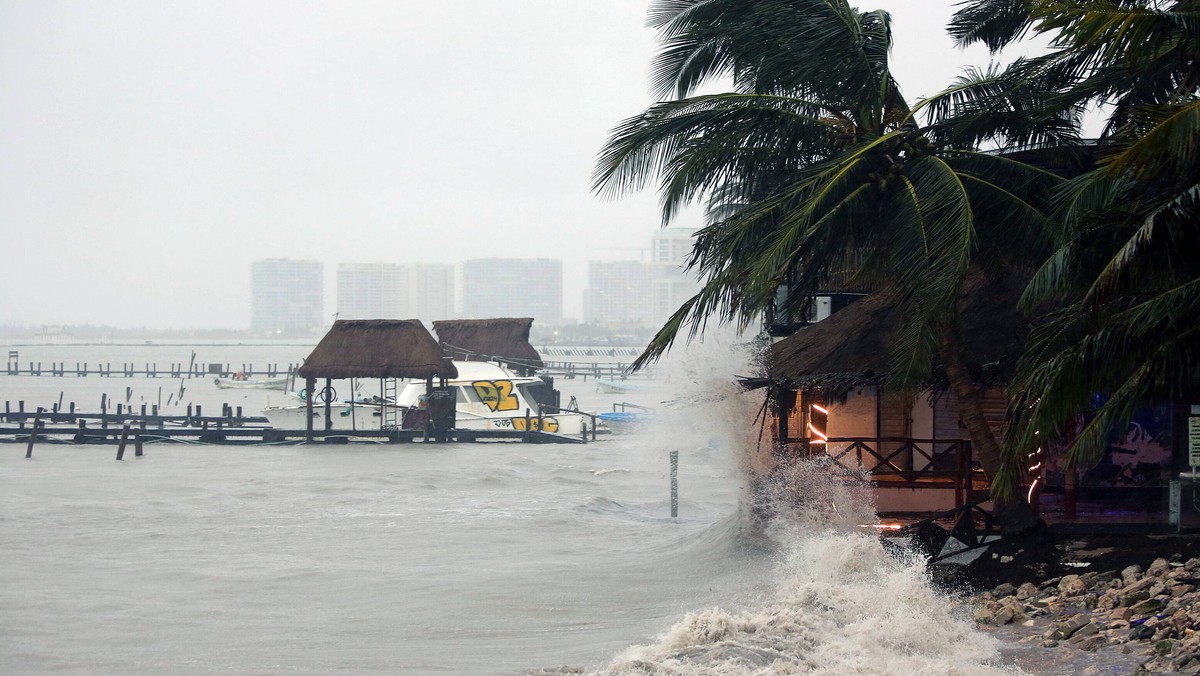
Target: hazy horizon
x=151 y=151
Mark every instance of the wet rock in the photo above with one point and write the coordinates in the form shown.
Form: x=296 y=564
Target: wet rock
x=1026 y=591
x=1159 y=567
x=1071 y=585
x=1003 y=590
x=1131 y=574
x=1148 y=606
x=1090 y=643
x=1142 y=632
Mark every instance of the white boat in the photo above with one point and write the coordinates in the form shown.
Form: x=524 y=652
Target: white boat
x=618 y=386
x=236 y=383
x=487 y=397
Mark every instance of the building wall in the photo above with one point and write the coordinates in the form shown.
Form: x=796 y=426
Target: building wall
x=286 y=296
x=430 y=291
x=513 y=287
x=370 y=291
x=617 y=294
x=395 y=291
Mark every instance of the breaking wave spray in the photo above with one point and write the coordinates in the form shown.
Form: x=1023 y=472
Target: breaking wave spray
x=836 y=602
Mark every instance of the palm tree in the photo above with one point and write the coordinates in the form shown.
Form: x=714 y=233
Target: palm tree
x=1126 y=291
x=815 y=162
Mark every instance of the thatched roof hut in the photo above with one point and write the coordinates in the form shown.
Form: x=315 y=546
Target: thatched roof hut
x=377 y=348
x=851 y=348
x=502 y=339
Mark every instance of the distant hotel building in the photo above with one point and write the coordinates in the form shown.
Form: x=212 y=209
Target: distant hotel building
x=512 y=287
x=626 y=294
x=618 y=294
x=395 y=291
x=286 y=296
x=672 y=285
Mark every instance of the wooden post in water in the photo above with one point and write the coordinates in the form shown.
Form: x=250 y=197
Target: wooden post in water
x=124 y=438
x=310 y=384
x=328 y=392
x=137 y=440
x=37 y=420
x=674 y=484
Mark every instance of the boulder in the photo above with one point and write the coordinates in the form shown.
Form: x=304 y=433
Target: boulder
x=1071 y=585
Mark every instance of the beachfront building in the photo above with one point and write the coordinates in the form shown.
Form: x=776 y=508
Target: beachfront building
x=286 y=296
x=513 y=287
x=619 y=294
x=395 y=291
x=370 y=291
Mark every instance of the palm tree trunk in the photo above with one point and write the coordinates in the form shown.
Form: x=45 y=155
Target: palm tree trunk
x=970 y=404
x=1010 y=508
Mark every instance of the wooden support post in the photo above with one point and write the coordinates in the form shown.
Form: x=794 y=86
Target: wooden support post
x=310 y=384
x=124 y=438
x=37 y=420
x=137 y=439
x=328 y=404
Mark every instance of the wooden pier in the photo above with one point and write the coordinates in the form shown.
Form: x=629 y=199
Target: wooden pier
x=61 y=369
x=231 y=427
x=147 y=370
x=258 y=436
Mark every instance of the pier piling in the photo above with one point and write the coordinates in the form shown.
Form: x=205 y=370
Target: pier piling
x=37 y=420
x=124 y=437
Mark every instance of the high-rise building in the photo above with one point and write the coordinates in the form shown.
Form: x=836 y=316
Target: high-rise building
x=395 y=291
x=671 y=246
x=286 y=296
x=673 y=285
x=429 y=291
x=512 y=287
x=618 y=294
x=369 y=291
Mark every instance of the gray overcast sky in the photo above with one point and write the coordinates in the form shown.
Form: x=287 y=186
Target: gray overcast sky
x=150 y=150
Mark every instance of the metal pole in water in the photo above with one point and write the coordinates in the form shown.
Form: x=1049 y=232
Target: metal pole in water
x=674 y=484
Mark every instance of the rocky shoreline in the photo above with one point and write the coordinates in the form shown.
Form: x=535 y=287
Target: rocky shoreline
x=1148 y=612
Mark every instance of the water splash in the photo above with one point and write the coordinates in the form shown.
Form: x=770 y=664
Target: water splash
x=838 y=602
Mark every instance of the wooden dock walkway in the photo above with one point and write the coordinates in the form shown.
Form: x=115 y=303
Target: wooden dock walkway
x=258 y=436
x=61 y=369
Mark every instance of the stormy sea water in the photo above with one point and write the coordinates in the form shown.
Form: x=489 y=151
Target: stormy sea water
x=489 y=558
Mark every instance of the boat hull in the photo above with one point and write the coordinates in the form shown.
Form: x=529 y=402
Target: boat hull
x=371 y=417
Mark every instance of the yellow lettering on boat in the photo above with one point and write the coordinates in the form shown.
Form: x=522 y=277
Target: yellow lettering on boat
x=548 y=424
x=496 y=394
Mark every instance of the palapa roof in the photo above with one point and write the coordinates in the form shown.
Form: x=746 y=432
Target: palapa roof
x=505 y=339
x=377 y=348
x=851 y=348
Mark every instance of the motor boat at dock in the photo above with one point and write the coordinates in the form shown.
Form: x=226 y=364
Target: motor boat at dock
x=486 y=395
x=244 y=383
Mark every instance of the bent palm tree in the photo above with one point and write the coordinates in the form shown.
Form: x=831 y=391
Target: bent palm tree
x=814 y=160
x=1127 y=292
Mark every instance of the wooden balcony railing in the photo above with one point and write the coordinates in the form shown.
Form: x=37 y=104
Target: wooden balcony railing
x=901 y=462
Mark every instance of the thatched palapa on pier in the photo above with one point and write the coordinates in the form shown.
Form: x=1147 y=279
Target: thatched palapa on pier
x=851 y=348
x=502 y=339
x=377 y=348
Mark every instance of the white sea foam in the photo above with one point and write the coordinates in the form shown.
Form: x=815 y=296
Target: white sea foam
x=839 y=604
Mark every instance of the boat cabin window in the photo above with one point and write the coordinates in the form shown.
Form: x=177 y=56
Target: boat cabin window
x=468 y=393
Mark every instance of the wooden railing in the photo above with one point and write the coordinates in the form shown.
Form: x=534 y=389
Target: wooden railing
x=900 y=461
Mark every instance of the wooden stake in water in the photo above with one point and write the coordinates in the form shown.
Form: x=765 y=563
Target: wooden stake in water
x=674 y=484
x=37 y=420
x=124 y=438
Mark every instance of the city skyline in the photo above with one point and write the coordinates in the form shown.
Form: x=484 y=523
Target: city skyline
x=153 y=150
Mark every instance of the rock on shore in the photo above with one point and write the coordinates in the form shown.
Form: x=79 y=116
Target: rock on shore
x=1152 y=613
